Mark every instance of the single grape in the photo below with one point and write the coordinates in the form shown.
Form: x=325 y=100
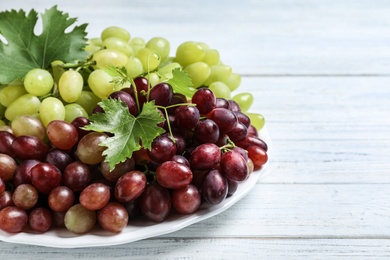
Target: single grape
x=51 y=109
x=61 y=198
x=7 y=167
x=61 y=134
x=115 y=31
x=214 y=187
x=232 y=187
x=45 y=177
x=252 y=131
x=107 y=57
x=58 y=219
x=180 y=159
x=38 y=82
x=28 y=125
x=155 y=202
x=149 y=59
x=117 y=44
x=95 y=196
x=6 y=199
x=127 y=99
x=6 y=140
x=222 y=103
x=243 y=118
x=251 y=140
x=224 y=118
x=27 y=104
x=211 y=57
x=257 y=120
x=73 y=111
x=258 y=156
x=13 y=219
x=173 y=175
x=70 y=85
x=245 y=100
x=79 y=220
x=238 y=133
x=161 y=94
x=25 y=196
x=220 y=89
x=162 y=149
x=88 y=101
x=189 y=52
x=205 y=100
x=79 y=123
x=40 y=219
x=218 y=72
x=130 y=186
x=186 y=200
x=23 y=172
x=10 y=93
x=159 y=45
x=29 y=147
x=187 y=117
x=206 y=131
x=89 y=150
x=101 y=83
x=76 y=176
x=113 y=217
x=233 y=81
x=58 y=158
x=205 y=156
x=199 y=72
x=234 y=166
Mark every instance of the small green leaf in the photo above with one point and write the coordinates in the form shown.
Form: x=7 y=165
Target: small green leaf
x=181 y=83
x=23 y=50
x=129 y=132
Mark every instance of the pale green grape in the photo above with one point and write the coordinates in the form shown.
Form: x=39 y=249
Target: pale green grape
x=134 y=67
x=106 y=58
x=115 y=31
x=220 y=89
x=204 y=45
x=245 y=100
x=95 y=41
x=137 y=43
x=28 y=125
x=257 y=120
x=70 y=85
x=88 y=100
x=38 y=82
x=51 y=109
x=149 y=59
x=233 y=81
x=189 y=52
x=27 y=104
x=219 y=72
x=199 y=72
x=160 y=45
x=10 y=93
x=114 y=43
x=57 y=69
x=153 y=78
x=100 y=83
x=74 y=110
x=92 y=48
x=211 y=57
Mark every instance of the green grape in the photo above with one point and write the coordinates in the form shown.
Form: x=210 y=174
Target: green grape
x=137 y=43
x=57 y=70
x=149 y=59
x=2 y=123
x=189 y=52
x=199 y=72
x=245 y=100
x=115 y=31
x=51 y=109
x=204 y=45
x=100 y=83
x=117 y=44
x=153 y=78
x=74 y=110
x=220 y=89
x=38 y=82
x=211 y=57
x=219 y=72
x=95 y=41
x=257 y=120
x=160 y=45
x=28 y=125
x=134 y=67
x=27 y=104
x=233 y=81
x=10 y=93
x=70 y=85
x=106 y=58
x=88 y=100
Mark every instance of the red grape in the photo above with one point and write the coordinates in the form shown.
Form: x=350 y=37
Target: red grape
x=7 y=167
x=130 y=186
x=258 y=156
x=234 y=166
x=155 y=202
x=45 y=177
x=214 y=187
x=205 y=156
x=13 y=219
x=95 y=196
x=173 y=175
x=113 y=217
x=61 y=198
x=40 y=219
x=62 y=134
x=186 y=200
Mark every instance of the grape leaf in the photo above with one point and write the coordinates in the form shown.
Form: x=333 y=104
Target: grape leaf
x=128 y=131
x=181 y=83
x=22 y=50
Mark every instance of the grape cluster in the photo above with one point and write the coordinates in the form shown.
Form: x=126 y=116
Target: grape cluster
x=53 y=172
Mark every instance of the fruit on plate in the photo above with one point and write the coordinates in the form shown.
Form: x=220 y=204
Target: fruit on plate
x=99 y=131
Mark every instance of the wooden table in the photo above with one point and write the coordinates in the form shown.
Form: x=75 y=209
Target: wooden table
x=319 y=71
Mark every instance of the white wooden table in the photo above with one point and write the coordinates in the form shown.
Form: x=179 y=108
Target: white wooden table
x=320 y=73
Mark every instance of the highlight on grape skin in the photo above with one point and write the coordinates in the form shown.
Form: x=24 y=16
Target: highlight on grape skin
x=121 y=129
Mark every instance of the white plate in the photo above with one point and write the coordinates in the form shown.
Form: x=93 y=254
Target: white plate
x=138 y=229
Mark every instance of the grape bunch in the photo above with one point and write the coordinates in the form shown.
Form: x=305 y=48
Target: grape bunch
x=53 y=168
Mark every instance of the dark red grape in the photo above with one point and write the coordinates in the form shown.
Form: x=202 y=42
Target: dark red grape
x=238 y=133
x=234 y=106
x=7 y=167
x=2 y=186
x=29 y=147
x=163 y=148
x=118 y=171
x=181 y=159
x=251 y=140
x=224 y=118
x=76 y=176
x=232 y=187
x=243 y=118
x=161 y=93
x=223 y=103
x=80 y=122
x=13 y=219
x=23 y=172
x=6 y=199
x=155 y=202
x=45 y=177
x=205 y=157
x=234 y=166
x=6 y=140
x=127 y=99
x=205 y=100
x=252 y=131
x=113 y=217
x=58 y=158
x=173 y=175
x=186 y=200
x=40 y=219
x=206 y=131
x=214 y=187
x=186 y=117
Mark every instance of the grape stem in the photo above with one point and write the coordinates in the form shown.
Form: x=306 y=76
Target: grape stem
x=230 y=144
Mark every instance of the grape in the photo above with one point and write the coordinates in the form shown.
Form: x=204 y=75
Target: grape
x=258 y=156
x=28 y=125
x=187 y=117
x=224 y=118
x=205 y=100
x=13 y=219
x=159 y=45
x=149 y=59
x=10 y=93
x=6 y=199
x=61 y=134
x=89 y=150
x=27 y=104
x=117 y=44
x=76 y=176
x=180 y=143
x=234 y=166
x=189 y=52
x=23 y=172
x=162 y=149
x=257 y=120
x=101 y=83
x=113 y=217
x=243 y=118
x=220 y=89
x=252 y=131
x=7 y=167
x=234 y=106
x=38 y=82
x=155 y=202
x=245 y=100
x=134 y=67
x=251 y=140
x=205 y=156
x=180 y=159
x=6 y=140
x=238 y=133
x=206 y=131
x=218 y=72
x=29 y=147
x=214 y=187
x=70 y=85
x=79 y=220
x=118 y=171
x=242 y=151
x=127 y=99
x=173 y=175
x=88 y=101
x=107 y=57
x=186 y=200
x=199 y=72
x=25 y=196
x=58 y=158
x=51 y=109
x=211 y=57
x=141 y=86
x=40 y=219
x=115 y=31
x=161 y=94
x=45 y=177
x=130 y=186
x=61 y=198
x=2 y=186
x=176 y=99
x=80 y=122
x=233 y=81
x=73 y=111
x=95 y=196
x=232 y=187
